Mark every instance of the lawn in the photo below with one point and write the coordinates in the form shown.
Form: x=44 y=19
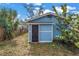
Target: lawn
x=19 y=46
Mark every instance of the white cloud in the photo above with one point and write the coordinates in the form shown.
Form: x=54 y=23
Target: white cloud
x=35 y=12
x=27 y=18
x=75 y=12
x=3 y=4
x=35 y=4
x=8 y=3
x=37 y=8
x=27 y=3
x=69 y=8
x=38 y=4
x=18 y=16
x=47 y=11
x=58 y=9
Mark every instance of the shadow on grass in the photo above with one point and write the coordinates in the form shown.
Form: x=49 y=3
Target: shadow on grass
x=71 y=47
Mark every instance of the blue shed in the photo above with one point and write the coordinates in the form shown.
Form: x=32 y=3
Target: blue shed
x=42 y=28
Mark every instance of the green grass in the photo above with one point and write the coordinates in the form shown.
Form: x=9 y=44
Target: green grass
x=19 y=46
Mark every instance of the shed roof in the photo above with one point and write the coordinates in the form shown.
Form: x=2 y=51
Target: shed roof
x=40 y=16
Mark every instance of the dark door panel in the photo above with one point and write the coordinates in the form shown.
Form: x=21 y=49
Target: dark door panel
x=34 y=33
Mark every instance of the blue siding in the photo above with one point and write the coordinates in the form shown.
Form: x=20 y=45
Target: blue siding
x=45 y=36
x=56 y=32
x=46 y=20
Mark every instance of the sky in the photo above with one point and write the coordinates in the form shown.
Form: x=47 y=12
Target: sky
x=22 y=12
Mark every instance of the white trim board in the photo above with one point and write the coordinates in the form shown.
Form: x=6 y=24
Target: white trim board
x=45 y=41
x=45 y=31
x=29 y=31
x=28 y=34
x=39 y=23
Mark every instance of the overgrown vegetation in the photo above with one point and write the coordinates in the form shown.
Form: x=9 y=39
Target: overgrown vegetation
x=8 y=22
x=68 y=26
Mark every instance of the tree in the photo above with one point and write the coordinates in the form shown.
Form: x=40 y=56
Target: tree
x=41 y=10
x=67 y=25
x=29 y=9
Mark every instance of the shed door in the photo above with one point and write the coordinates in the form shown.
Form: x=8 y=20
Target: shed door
x=34 y=33
x=46 y=33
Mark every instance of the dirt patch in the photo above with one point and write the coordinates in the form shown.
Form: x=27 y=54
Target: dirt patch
x=16 y=47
